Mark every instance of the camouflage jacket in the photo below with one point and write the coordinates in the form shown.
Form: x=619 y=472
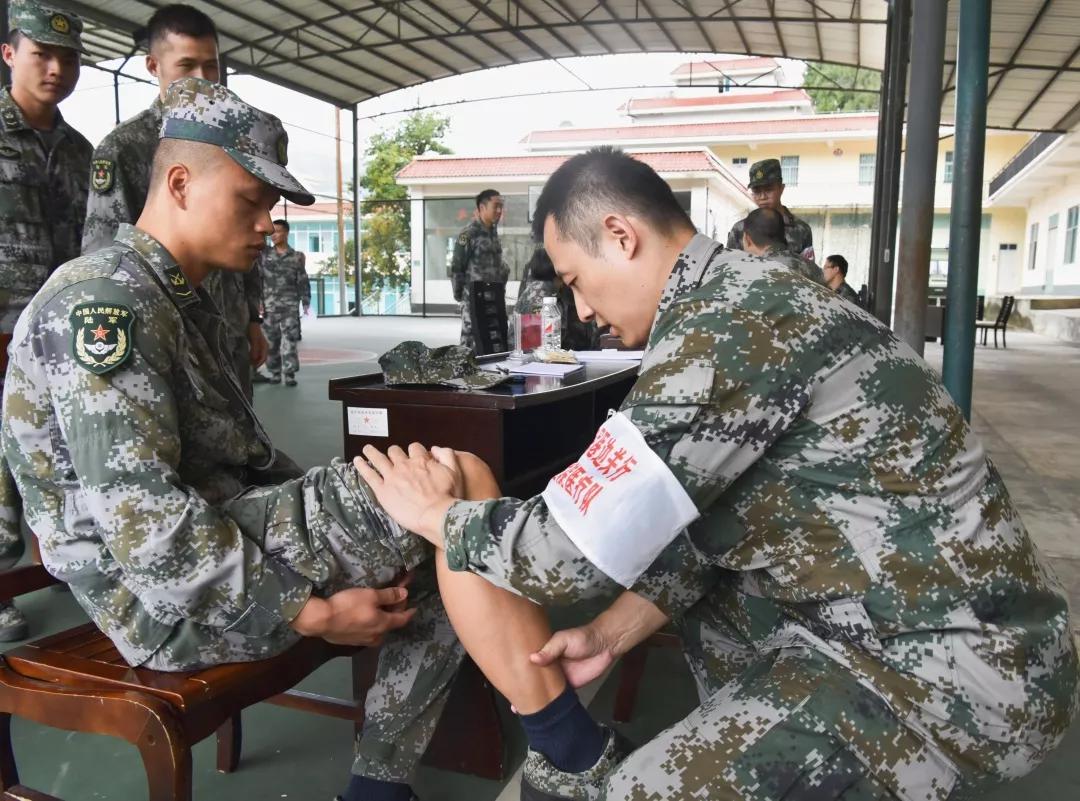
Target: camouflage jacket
x=42 y=205
x=836 y=486
x=799 y=237
x=284 y=279
x=799 y=264
x=126 y=439
x=576 y=335
x=120 y=176
x=477 y=257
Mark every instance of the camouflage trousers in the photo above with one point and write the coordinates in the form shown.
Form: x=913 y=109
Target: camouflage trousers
x=327 y=527
x=792 y=724
x=282 y=329
x=11 y=540
x=467 y=340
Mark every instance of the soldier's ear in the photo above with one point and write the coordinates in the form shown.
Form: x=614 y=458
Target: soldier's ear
x=178 y=183
x=152 y=65
x=8 y=53
x=621 y=231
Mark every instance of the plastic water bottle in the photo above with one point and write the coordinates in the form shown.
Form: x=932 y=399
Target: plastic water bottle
x=551 y=325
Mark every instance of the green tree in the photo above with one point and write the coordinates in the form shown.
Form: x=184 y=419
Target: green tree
x=386 y=219
x=830 y=87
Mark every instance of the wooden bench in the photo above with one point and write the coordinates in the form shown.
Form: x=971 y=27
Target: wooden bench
x=76 y=680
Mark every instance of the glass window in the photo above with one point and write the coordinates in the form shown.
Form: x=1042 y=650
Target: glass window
x=789 y=166
x=948 y=166
x=1071 y=223
x=1033 y=247
x=313 y=243
x=867 y=163
x=739 y=161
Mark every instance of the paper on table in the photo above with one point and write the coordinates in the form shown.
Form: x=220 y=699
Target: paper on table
x=609 y=355
x=542 y=368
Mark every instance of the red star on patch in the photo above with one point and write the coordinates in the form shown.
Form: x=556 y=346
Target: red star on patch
x=100 y=332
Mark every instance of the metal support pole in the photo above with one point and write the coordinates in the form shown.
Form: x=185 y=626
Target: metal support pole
x=965 y=229
x=929 y=18
x=357 y=274
x=887 y=162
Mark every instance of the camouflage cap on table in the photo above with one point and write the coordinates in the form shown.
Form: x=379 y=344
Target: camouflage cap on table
x=452 y=366
x=45 y=24
x=202 y=111
x=766 y=173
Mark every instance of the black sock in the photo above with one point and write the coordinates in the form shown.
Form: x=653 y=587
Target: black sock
x=362 y=788
x=565 y=733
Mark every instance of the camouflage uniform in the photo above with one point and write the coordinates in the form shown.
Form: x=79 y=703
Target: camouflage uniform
x=119 y=183
x=156 y=491
x=285 y=287
x=858 y=599
x=42 y=210
x=477 y=257
x=800 y=265
x=800 y=238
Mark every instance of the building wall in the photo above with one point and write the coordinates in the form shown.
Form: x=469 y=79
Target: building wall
x=1056 y=270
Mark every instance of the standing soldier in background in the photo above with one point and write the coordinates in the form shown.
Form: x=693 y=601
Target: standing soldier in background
x=285 y=287
x=43 y=173
x=478 y=258
x=181 y=42
x=767 y=188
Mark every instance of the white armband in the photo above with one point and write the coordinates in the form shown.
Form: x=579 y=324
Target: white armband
x=619 y=503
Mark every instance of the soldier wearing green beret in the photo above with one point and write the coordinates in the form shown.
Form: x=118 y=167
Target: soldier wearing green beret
x=154 y=489
x=43 y=176
x=767 y=187
x=182 y=41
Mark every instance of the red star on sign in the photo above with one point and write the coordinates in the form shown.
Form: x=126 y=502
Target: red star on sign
x=100 y=332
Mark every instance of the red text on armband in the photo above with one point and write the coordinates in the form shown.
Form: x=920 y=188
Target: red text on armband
x=607 y=460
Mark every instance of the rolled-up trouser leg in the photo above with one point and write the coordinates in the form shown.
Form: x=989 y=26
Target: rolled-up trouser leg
x=417 y=665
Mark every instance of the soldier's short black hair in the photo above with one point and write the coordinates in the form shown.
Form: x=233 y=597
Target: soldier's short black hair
x=540 y=266
x=765 y=227
x=16 y=38
x=601 y=181
x=283 y=223
x=179 y=19
x=485 y=196
x=840 y=263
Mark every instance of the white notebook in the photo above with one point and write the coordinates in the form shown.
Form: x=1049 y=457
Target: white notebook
x=609 y=355
x=551 y=370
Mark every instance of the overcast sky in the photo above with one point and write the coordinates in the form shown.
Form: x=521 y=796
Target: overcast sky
x=549 y=94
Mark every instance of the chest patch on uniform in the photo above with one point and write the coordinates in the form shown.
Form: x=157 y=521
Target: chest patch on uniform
x=9 y=152
x=101 y=335
x=463 y=239
x=101 y=175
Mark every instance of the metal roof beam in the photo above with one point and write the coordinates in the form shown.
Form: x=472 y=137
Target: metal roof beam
x=1023 y=41
x=566 y=14
x=776 y=27
x=1046 y=86
x=689 y=9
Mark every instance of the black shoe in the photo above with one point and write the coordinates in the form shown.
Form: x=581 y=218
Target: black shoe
x=260 y=378
x=542 y=781
x=290 y=382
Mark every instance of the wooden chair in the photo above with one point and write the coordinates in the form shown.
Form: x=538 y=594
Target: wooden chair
x=1000 y=324
x=77 y=681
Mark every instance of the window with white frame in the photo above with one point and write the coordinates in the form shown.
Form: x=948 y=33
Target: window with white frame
x=1033 y=246
x=1071 y=222
x=948 y=166
x=738 y=161
x=867 y=163
x=789 y=167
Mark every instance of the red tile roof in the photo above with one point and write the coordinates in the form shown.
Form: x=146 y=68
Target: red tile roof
x=727 y=99
x=726 y=65
x=825 y=123
x=502 y=166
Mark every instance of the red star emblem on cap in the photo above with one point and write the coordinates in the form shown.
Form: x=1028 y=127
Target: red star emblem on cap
x=100 y=332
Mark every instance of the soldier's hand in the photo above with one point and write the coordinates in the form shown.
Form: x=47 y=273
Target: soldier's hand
x=259 y=346
x=583 y=654
x=357 y=616
x=414 y=488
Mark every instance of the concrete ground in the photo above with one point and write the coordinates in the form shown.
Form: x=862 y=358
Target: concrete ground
x=1025 y=409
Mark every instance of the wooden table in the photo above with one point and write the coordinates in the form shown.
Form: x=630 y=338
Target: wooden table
x=527 y=431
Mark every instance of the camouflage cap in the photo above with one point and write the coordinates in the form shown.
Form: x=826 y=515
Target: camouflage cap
x=202 y=111
x=452 y=366
x=766 y=173
x=44 y=24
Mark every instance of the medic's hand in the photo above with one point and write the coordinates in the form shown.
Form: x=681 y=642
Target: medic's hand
x=582 y=653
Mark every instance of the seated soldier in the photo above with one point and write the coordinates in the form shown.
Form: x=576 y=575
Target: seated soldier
x=154 y=489
x=763 y=235
x=858 y=599
x=541 y=281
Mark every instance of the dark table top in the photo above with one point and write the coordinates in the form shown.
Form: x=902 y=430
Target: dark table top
x=514 y=394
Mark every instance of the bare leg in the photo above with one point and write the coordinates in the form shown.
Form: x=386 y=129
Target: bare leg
x=498 y=629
